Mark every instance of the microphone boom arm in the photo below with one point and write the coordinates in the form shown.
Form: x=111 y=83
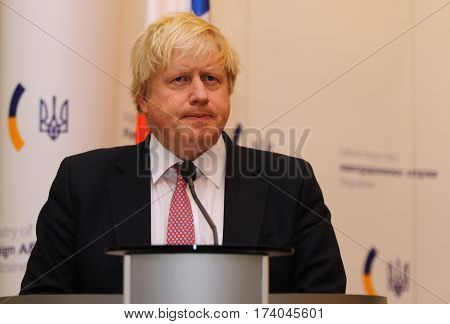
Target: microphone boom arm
x=203 y=210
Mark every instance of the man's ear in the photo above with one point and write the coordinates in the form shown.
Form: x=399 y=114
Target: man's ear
x=143 y=103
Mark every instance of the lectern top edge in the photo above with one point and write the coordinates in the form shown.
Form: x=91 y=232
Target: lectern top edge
x=206 y=249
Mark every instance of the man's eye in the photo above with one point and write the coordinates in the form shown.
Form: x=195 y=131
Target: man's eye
x=180 y=79
x=209 y=78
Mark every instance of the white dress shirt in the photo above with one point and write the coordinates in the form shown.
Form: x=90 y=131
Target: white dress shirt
x=209 y=185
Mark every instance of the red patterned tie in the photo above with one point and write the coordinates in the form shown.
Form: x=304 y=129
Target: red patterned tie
x=180 y=229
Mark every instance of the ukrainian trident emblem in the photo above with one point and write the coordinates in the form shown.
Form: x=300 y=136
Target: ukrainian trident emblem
x=56 y=121
x=398 y=277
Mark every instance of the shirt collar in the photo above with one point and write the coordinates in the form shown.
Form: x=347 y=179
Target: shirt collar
x=161 y=159
x=210 y=164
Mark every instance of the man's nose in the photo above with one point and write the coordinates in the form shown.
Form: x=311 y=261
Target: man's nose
x=199 y=93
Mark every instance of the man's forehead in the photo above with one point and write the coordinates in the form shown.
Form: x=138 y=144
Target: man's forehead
x=185 y=60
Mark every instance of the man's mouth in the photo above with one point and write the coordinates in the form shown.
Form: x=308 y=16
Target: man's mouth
x=198 y=117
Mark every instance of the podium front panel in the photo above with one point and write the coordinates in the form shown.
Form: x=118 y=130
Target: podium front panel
x=196 y=278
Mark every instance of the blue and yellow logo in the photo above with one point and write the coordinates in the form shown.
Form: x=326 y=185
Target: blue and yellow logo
x=367 y=277
x=397 y=276
x=14 y=134
x=53 y=119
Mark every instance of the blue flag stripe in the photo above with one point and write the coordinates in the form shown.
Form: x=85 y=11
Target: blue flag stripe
x=200 y=7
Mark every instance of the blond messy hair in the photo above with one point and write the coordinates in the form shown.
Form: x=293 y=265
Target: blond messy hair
x=152 y=51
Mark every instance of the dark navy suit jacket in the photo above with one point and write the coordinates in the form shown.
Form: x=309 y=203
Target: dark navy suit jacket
x=102 y=198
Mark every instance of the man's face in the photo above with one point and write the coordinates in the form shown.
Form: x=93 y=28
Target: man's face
x=188 y=104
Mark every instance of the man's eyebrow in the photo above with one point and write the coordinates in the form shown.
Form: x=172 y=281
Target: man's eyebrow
x=188 y=69
x=213 y=68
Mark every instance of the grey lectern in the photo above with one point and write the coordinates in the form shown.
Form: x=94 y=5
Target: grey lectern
x=196 y=274
x=118 y=299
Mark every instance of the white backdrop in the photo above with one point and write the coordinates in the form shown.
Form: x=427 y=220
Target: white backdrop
x=370 y=91
x=53 y=48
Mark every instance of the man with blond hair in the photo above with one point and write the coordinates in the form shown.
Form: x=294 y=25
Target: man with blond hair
x=184 y=72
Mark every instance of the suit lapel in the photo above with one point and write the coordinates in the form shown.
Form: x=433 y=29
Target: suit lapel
x=129 y=196
x=245 y=197
x=244 y=207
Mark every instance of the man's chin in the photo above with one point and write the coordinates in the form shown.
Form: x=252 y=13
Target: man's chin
x=203 y=139
x=196 y=132
x=193 y=142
